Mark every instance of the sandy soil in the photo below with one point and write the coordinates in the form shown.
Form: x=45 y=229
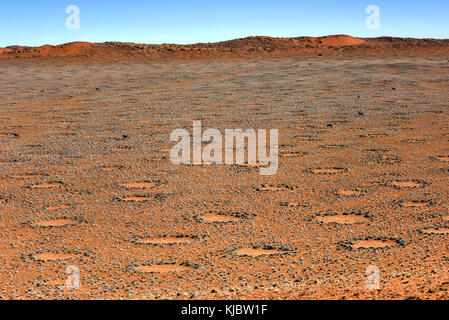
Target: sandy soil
x=86 y=179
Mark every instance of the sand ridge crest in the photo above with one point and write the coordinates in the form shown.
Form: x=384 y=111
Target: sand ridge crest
x=255 y=46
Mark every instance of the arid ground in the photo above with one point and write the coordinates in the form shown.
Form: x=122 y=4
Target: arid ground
x=86 y=180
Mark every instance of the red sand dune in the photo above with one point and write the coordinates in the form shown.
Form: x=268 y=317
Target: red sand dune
x=339 y=40
x=68 y=49
x=245 y=47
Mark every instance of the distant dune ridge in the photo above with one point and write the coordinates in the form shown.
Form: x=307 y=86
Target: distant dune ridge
x=250 y=46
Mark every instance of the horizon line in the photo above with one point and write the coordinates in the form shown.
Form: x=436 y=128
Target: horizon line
x=213 y=42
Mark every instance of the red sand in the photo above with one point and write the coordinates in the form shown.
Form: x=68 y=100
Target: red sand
x=87 y=182
x=336 y=45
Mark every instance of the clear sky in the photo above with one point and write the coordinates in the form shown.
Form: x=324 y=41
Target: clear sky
x=38 y=22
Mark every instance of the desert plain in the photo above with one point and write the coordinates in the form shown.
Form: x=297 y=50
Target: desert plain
x=86 y=181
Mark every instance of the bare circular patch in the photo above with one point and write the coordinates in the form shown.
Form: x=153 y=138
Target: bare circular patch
x=9 y=134
x=348 y=193
x=375 y=244
x=140 y=185
x=342 y=219
x=34 y=146
x=333 y=146
x=436 y=231
x=47 y=185
x=256 y=252
x=306 y=126
x=61 y=222
x=374 y=135
x=372 y=243
x=161 y=172
x=253 y=165
x=55 y=256
x=408 y=184
x=167 y=240
x=222 y=217
x=329 y=170
x=201 y=164
x=111 y=168
x=275 y=188
x=413 y=141
x=293 y=154
x=162 y=268
x=443 y=158
x=122 y=148
x=377 y=150
x=415 y=204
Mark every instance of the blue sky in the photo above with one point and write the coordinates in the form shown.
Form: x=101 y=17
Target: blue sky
x=34 y=22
